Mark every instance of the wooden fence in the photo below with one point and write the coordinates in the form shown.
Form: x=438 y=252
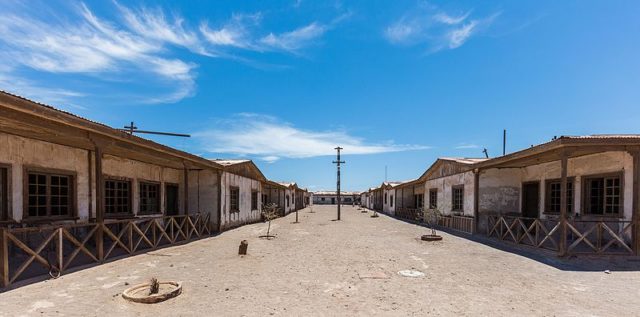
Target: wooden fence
x=583 y=236
x=36 y=251
x=458 y=223
x=410 y=214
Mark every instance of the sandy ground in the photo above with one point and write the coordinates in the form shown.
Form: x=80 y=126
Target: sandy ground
x=324 y=267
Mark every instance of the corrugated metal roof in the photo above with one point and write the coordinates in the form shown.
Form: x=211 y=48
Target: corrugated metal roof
x=464 y=160
x=226 y=162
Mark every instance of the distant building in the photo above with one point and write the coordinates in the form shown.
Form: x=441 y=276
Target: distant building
x=331 y=198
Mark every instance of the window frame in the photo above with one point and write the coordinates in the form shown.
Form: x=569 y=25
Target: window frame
x=233 y=189
x=254 y=200
x=418 y=201
x=454 y=188
x=72 y=196
x=586 y=195
x=158 y=199
x=108 y=178
x=391 y=201
x=571 y=205
x=6 y=191
x=433 y=204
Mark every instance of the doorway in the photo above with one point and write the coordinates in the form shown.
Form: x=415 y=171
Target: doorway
x=333 y=201
x=530 y=199
x=171 y=199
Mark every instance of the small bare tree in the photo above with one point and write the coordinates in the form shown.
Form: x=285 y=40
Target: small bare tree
x=154 y=286
x=431 y=218
x=269 y=212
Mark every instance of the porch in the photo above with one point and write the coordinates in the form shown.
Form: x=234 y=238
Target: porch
x=602 y=237
x=30 y=253
x=572 y=195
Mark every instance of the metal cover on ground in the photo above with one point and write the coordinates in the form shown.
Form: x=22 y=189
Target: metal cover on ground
x=411 y=273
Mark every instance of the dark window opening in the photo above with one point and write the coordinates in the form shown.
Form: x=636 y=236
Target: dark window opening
x=603 y=195
x=433 y=198
x=457 y=198
x=117 y=197
x=234 y=197
x=149 y=198
x=49 y=195
x=553 y=196
x=418 y=200
x=4 y=194
x=254 y=200
x=171 y=199
x=391 y=201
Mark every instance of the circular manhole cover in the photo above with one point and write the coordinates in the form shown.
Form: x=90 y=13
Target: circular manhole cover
x=411 y=273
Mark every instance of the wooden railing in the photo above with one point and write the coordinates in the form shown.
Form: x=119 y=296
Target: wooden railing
x=600 y=237
x=413 y=214
x=458 y=223
x=35 y=251
x=583 y=237
x=528 y=231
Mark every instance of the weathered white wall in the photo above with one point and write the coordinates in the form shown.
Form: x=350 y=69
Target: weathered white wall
x=138 y=172
x=387 y=207
x=203 y=193
x=444 y=184
x=246 y=214
x=608 y=162
x=20 y=153
x=501 y=189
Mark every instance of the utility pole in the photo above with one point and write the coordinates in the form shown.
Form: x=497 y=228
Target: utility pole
x=338 y=162
x=504 y=142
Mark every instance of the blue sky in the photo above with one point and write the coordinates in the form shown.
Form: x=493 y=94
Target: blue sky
x=396 y=83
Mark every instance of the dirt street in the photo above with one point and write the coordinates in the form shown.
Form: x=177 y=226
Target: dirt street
x=334 y=268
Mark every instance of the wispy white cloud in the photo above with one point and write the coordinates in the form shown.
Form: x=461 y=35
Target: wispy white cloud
x=237 y=32
x=137 y=44
x=270 y=139
x=467 y=146
x=435 y=29
x=445 y=18
x=92 y=46
x=296 y=39
x=293 y=41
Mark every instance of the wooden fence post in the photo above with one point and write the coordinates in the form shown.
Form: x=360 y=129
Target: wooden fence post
x=4 y=258
x=562 y=250
x=60 y=246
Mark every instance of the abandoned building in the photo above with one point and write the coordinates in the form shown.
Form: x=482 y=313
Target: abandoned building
x=572 y=195
x=331 y=197
x=75 y=192
x=241 y=190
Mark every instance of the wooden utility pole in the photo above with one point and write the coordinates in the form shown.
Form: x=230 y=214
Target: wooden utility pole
x=338 y=162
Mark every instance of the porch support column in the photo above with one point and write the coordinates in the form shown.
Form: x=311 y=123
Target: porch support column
x=636 y=201
x=220 y=199
x=476 y=200
x=185 y=203
x=99 y=145
x=562 y=250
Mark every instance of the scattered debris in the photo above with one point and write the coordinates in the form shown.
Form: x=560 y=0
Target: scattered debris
x=374 y=275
